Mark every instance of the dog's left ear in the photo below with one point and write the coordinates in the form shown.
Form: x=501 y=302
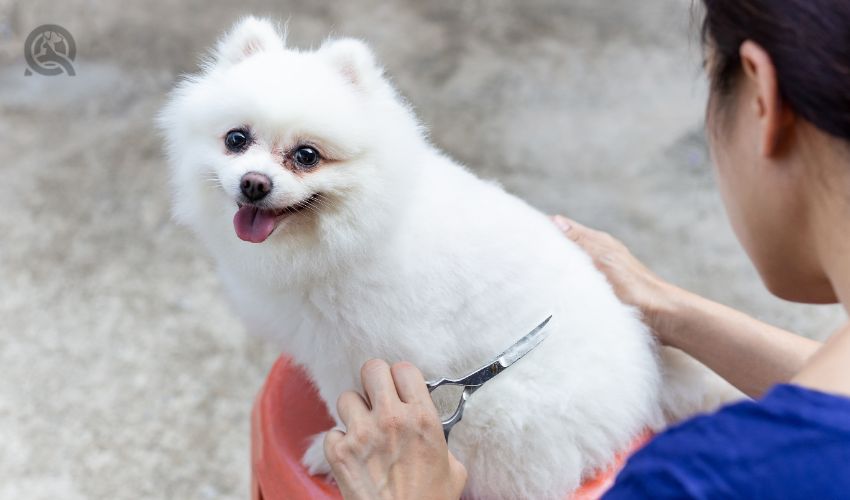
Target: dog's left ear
x=249 y=36
x=354 y=60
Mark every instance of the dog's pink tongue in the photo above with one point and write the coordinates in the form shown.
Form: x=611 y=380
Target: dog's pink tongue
x=253 y=224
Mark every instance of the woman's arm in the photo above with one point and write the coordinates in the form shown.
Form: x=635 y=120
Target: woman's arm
x=750 y=354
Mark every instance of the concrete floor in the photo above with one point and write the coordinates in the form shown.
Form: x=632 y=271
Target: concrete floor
x=124 y=374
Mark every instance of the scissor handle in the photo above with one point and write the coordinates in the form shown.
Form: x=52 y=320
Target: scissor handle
x=433 y=384
x=458 y=413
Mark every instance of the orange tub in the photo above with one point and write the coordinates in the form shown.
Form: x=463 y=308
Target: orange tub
x=285 y=415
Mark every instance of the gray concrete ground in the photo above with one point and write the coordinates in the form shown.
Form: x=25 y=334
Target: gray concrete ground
x=124 y=374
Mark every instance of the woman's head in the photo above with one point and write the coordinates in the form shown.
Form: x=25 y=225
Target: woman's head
x=779 y=122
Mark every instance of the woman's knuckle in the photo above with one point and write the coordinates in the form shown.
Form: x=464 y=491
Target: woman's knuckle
x=391 y=422
x=424 y=420
x=360 y=436
x=338 y=453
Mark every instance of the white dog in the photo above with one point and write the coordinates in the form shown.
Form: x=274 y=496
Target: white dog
x=340 y=231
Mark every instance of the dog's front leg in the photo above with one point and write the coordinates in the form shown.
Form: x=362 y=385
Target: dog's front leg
x=314 y=458
x=331 y=385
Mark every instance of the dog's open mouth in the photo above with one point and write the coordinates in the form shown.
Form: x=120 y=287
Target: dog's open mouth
x=255 y=224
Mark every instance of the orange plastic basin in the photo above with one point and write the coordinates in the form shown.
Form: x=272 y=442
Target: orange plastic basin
x=288 y=412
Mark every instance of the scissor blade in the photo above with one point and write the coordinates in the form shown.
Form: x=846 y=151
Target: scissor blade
x=524 y=345
x=519 y=349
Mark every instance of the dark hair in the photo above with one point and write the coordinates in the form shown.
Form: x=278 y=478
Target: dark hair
x=808 y=42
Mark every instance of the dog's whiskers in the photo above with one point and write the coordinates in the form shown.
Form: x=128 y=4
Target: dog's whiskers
x=212 y=179
x=319 y=202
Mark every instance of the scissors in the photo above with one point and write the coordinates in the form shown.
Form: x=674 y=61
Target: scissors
x=474 y=380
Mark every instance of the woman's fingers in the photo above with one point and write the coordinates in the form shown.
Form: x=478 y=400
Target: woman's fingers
x=410 y=384
x=571 y=229
x=351 y=407
x=458 y=476
x=598 y=244
x=378 y=384
x=582 y=235
x=564 y=224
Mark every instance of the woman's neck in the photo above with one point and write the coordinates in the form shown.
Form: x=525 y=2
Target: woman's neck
x=829 y=368
x=832 y=242
x=839 y=276
x=827 y=202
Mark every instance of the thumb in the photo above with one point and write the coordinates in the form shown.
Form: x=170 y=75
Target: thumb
x=458 y=474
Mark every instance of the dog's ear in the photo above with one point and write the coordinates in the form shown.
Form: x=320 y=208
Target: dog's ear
x=248 y=37
x=354 y=60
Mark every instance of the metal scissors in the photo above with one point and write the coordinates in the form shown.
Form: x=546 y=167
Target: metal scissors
x=473 y=381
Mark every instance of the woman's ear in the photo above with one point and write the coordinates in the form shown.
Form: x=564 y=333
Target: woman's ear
x=774 y=117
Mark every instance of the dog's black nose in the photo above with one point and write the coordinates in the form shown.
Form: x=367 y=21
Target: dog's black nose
x=255 y=186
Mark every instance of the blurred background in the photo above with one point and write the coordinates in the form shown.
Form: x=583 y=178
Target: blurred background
x=123 y=374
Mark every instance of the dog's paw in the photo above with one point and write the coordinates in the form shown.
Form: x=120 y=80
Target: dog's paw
x=314 y=458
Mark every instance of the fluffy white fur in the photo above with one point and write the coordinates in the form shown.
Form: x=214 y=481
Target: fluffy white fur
x=408 y=256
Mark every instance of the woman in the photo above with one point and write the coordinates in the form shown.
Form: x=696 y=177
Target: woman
x=779 y=126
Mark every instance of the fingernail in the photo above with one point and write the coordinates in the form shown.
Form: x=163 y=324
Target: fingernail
x=562 y=223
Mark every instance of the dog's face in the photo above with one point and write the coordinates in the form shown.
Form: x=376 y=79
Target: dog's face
x=279 y=143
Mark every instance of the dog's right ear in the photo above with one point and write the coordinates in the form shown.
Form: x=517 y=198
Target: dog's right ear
x=354 y=60
x=248 y=37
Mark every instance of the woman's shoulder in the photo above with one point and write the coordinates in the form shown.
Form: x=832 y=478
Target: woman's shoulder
x=792 y=443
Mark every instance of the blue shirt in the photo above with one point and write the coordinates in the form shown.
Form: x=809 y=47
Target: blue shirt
x=793 y=443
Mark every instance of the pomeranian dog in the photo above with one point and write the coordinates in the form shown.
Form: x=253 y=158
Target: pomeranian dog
x=340 y=231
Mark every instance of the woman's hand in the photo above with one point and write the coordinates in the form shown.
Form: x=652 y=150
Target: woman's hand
x=393 y=447
x=752 y=355
x=633 y=282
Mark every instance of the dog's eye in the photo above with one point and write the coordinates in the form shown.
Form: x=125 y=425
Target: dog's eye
x=306 y=157
x=237 y=140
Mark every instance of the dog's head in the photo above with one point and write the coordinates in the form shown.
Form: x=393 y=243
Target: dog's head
x=276 y=147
